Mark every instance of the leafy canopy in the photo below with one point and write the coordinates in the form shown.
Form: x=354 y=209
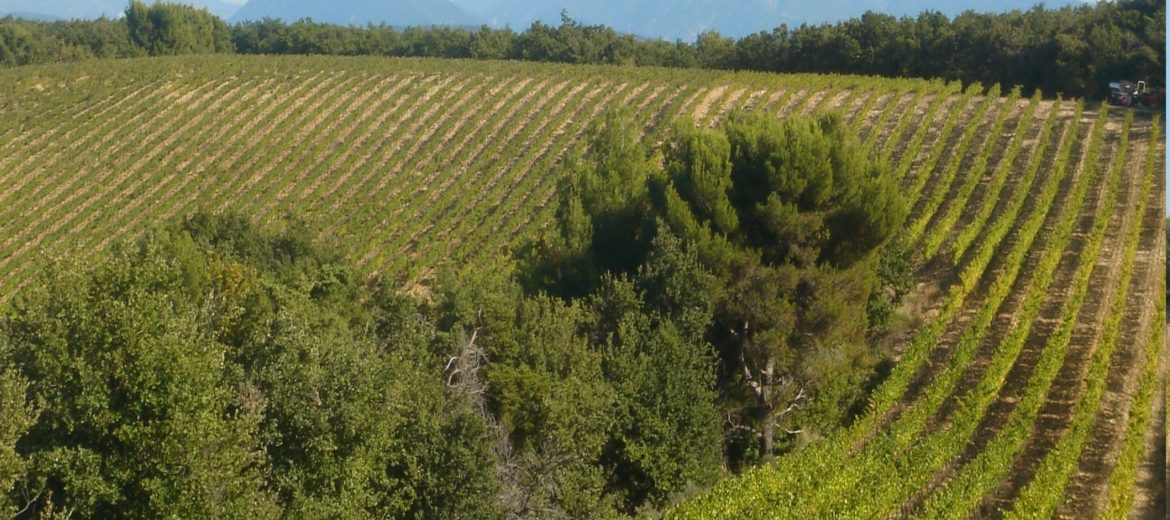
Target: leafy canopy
x=211 y=370
x=785 y=223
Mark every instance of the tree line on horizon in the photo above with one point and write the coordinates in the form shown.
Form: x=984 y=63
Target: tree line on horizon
x=1073 y=51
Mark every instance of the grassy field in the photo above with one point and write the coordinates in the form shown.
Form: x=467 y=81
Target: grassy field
x=1033 y=385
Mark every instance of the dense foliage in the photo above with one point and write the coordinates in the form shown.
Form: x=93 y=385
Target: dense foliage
x=162 y=29
x=515 y=360
x=210 y=369
x=778 y=228
x=925 y=448
x=1074 y=51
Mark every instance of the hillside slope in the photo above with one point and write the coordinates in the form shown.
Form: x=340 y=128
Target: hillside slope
x=1029 y=386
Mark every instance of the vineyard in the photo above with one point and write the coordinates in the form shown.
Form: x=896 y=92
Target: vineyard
x=1033 y=385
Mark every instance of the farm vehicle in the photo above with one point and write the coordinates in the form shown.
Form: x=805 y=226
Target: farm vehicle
x=1137 y=95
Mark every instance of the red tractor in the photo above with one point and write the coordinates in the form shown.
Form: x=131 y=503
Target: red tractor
x=1137 y=95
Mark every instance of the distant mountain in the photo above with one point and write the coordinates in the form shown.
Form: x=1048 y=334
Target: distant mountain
x=89 y=9
x=843 y=9
x=671 y=19
x=219 y=8
x=65 y=9
x=36 y=17
x=685 y=19
x=360 y=12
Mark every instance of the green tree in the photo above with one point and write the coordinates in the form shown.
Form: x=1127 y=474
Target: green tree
x=604 y=404
x=135 y=417
x=491 y=44
x=651 y=329
x=18 y=416
x=714 y=51
x=545 y=387
x=212 y=370
x=604 y=215
x=358 y=422
x=787 y=219
x=169 y=29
